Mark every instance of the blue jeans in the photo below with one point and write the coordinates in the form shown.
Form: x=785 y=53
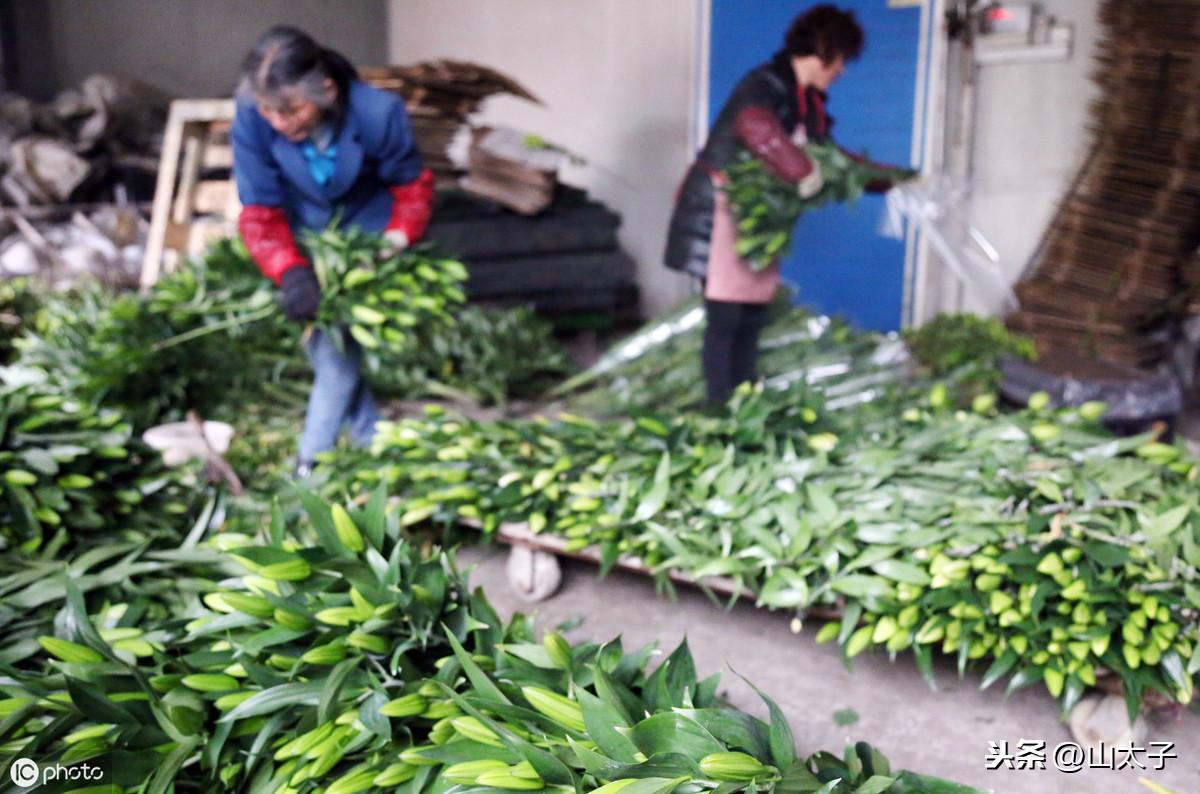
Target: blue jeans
x=339 y=397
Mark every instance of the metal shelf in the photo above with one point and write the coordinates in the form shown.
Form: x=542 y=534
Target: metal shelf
x=1026 y=53
x=1058 y=48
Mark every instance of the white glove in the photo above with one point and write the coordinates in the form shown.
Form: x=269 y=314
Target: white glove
x=811 y=185
x=396 y=239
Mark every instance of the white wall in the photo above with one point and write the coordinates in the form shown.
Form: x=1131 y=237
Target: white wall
x=616 y=80
x=1030 y=141
x=189 y=47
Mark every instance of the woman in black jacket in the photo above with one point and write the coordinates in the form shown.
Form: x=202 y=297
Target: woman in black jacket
x=773 y=112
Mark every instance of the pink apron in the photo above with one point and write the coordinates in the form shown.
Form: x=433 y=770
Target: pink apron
x=730 y=278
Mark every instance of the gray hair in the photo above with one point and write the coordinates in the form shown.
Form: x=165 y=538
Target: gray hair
x=286 y=62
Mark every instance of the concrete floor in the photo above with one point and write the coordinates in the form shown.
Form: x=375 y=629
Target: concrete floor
x=945 y=732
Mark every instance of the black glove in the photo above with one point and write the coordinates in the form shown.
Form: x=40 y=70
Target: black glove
x=299 y=293
x=884 y=185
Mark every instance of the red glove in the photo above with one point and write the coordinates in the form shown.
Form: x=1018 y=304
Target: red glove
x=411 y=207
x=764 y=136
x=269 y=240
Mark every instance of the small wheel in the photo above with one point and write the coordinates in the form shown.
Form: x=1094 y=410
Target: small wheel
x=534 y=575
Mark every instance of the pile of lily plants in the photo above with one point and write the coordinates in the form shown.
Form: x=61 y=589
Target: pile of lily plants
x=1032 y=543
x=332 y=653
x=316 y=640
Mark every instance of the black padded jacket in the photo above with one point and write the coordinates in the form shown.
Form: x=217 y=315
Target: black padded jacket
x=771 y=86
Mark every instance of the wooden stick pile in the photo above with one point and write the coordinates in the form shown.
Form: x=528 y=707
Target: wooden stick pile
x=1117 y=263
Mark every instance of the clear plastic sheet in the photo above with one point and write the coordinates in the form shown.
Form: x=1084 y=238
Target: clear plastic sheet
x=682 y=321
x=816 y=327
x=645 y=341
x=850 y=372
x=936 y=206
x=851 y=380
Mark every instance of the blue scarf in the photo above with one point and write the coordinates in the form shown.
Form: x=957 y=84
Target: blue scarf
x=320 y=153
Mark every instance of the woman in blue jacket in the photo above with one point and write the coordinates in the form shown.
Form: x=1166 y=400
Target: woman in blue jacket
x=310 y=143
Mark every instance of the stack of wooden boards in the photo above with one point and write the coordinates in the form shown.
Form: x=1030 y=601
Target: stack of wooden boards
x=440 y=96
x=517 y=170
x=525 y=238
x=1118 y=262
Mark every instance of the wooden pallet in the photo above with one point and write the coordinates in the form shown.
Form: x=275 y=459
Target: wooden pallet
x=518 y=534
x=189 y=146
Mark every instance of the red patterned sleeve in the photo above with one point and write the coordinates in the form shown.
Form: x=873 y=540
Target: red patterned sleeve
x=269 y=240
x=762 y=134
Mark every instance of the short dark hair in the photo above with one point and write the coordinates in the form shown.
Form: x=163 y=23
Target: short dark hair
x=825 y=31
